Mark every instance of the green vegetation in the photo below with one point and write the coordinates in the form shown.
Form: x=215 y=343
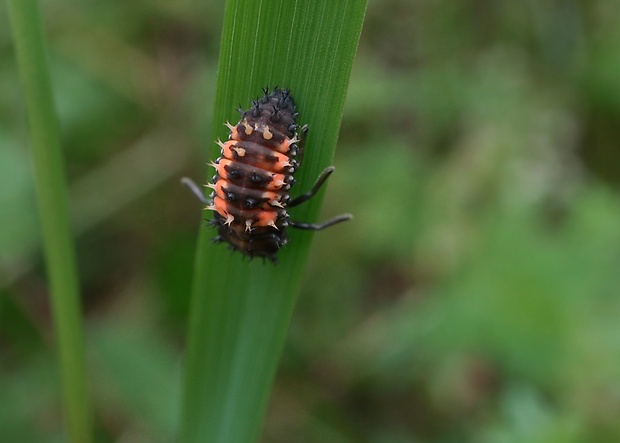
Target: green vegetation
x=474 y=297
x=52 y=202
x=241 y=310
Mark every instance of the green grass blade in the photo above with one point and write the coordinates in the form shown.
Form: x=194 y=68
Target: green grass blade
x=52 y=202
x=241 y=310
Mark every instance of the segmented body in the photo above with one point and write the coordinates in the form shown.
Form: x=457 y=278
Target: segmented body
x=254 y=176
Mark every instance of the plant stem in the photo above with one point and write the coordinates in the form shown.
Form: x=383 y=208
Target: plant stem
x=52 y=198
x=241 y=310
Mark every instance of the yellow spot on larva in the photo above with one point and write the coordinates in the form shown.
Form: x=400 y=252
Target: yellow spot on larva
x=240 y=151
x=248 y=128
x=267 y=134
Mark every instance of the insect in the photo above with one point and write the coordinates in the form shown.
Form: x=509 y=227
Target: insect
x=254 y=176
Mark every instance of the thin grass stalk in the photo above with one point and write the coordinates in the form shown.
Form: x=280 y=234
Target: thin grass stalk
x=51 y=190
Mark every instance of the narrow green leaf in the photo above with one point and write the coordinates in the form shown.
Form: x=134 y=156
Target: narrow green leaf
x=241 y=310
x=52 y=202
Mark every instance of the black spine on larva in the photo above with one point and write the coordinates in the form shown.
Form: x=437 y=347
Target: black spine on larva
x=264 y=129
x=277 y=110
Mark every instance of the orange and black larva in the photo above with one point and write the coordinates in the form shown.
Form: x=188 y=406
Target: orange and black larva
x=254 y=176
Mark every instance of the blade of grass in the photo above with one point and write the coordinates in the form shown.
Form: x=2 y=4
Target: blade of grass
x=52 y=202
x=241 y=310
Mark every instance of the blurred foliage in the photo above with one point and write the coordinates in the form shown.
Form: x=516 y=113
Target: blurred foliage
x=474 y=297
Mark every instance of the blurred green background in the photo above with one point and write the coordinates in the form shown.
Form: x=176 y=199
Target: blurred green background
x=474 y=297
